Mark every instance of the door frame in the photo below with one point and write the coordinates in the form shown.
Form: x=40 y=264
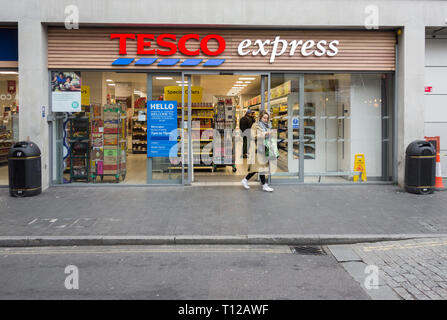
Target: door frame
x=188 y=75
x=149 y=180
x=300 y=77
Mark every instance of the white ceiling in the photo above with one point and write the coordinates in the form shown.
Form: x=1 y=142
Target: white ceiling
x=212 y=84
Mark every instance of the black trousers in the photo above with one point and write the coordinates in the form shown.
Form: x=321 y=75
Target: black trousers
x=245 y=145
x=251 y=174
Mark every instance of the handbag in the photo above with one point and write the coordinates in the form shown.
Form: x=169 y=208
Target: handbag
x=271 y=149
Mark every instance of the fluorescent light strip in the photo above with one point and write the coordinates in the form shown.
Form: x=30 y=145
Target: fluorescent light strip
x=109 y=80
x=247 y=79
x=163 y=78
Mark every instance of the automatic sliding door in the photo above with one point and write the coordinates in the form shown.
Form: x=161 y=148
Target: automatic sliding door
x=167 y=168
x=287 y=116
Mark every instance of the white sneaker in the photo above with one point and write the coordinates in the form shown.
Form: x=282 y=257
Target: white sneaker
x=245 y=183
x=267 y=188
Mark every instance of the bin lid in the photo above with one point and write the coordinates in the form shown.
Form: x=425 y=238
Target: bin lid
x=420 y=148
x=24 y=149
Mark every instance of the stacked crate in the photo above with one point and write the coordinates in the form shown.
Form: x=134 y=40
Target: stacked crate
x=112 y=148
x=97 y=142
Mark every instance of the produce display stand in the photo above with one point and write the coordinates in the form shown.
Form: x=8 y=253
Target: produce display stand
x=5 y=144
x=97 y=142
x=6 y=132
x=79 y=140
x=109 y=151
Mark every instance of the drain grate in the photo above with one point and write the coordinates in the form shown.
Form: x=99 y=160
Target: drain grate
x=308 y=250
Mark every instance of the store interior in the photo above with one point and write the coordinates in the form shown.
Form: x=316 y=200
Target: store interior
x=107 y=142
x=9 y=121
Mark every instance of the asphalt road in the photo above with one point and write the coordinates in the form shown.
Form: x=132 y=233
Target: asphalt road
x=173 y=272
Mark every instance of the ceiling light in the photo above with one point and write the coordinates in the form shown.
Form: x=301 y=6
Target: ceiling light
x=247 y=82
x=109 y=80
x=163 y=78
x=181 y=82
x=247 y=78
x=9 y=72
x=239 y=81
x=111 y=84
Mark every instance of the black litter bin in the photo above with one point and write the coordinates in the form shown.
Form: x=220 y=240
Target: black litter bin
x=25 y=173
x=420 y=167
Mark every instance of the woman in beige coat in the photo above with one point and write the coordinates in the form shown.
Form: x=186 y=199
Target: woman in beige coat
x=257 y=160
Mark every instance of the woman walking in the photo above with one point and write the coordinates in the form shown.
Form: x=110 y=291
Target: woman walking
x=257 y=159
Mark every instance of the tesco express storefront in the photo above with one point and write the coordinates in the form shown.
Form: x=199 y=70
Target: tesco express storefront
x=329 y=93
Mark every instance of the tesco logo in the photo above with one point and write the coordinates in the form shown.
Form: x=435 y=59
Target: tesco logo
x=168 y=44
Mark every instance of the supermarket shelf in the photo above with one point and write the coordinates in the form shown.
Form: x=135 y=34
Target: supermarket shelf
x=196 y=117
x=194 y=140
x=197 y=108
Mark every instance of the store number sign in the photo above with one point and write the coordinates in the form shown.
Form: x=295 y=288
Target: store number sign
x=162 y=129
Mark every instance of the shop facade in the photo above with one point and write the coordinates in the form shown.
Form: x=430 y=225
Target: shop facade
x=343 y=81
x=346 y=88
x=9 y=104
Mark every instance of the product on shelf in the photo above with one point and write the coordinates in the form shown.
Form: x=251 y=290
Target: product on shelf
x=79 y=140
x=223 y=146
x=139 y=127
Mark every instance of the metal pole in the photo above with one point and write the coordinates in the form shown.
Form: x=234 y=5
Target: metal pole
x=149 y=97
x=190 y=158
x=395 y=116
x=301 y=129
x=182 y=126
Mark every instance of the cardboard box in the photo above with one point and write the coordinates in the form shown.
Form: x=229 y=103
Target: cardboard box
x=111 y=172
x=110 y=160
x=110 y=152
x=110 y=167
x=111 y=124
x=110 y=139
x=110 y=130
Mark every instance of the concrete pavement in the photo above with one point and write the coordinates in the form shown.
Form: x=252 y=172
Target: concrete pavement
x=312 y=213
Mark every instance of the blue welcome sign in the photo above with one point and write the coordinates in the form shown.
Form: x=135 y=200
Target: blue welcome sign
x=161 y=129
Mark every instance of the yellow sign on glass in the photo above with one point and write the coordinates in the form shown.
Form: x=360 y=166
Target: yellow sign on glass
x=359 y=166
x=174 y=93
x=85 y=95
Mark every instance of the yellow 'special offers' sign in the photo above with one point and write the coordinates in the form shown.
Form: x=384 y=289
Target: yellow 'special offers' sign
x=85 y=95
x=174 y=93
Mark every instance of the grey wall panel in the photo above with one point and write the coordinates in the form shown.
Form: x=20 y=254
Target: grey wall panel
x=435 y=52
x=436 y=77
x=435 y=108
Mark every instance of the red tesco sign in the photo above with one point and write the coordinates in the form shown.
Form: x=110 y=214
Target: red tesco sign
x=169 y=43
x=428 y=89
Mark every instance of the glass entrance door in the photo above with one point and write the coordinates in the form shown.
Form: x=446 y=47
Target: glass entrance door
x=292 y=124
x=216 y=104
x=172 y=168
